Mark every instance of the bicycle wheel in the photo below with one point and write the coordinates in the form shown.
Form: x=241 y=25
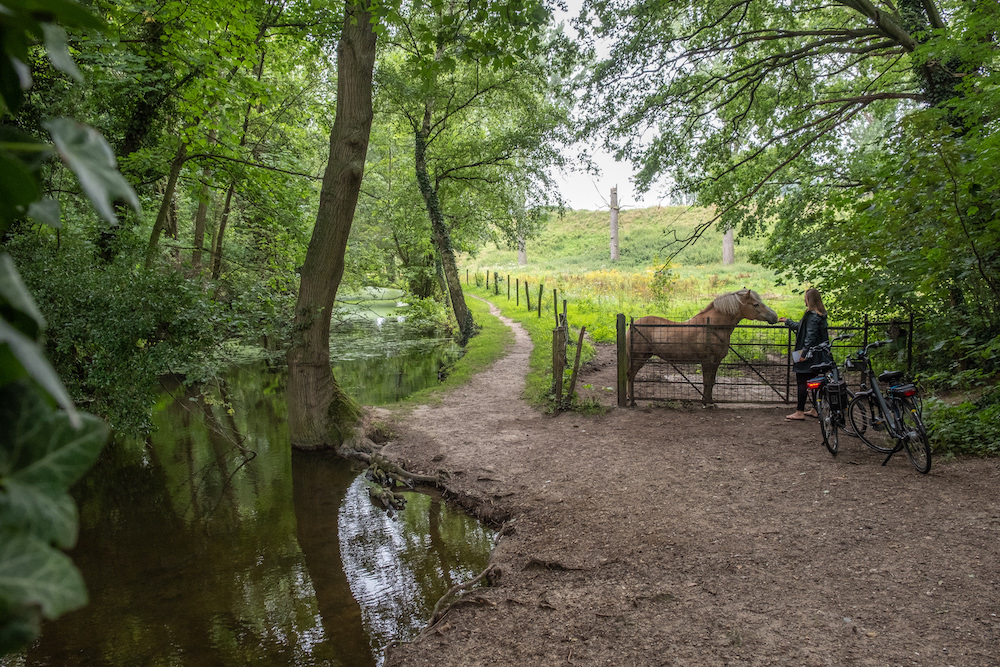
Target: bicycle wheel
x=914 y=436
x=827 y=422
x=845 y=423
x=870 y=424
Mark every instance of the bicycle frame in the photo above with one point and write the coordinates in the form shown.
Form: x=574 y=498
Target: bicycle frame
x=899 y=406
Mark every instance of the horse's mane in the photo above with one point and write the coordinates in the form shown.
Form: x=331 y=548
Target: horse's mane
x=729 y=304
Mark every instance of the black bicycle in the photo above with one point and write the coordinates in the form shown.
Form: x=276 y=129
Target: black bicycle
x=830 y=395
x=891 y=421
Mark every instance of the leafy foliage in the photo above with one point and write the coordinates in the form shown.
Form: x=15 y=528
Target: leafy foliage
x=43 y=450
x=858 y=137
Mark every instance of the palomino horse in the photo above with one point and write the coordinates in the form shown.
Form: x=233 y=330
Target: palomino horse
x=707 y=342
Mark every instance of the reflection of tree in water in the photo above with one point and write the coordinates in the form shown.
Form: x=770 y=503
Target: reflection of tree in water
x=190 y=554
x=320 y=482
x=399 y=568
x=195 y=554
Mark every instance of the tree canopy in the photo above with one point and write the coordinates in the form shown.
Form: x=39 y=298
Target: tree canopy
x=857 y=134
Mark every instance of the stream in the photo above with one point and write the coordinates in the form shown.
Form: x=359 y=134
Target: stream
x=208 y=543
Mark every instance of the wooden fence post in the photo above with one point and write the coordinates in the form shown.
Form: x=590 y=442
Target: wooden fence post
x=527 y=295
x=541 y=286
x=558 y=363
x=622 y=363
x=508 y=287
x=496 y=284
x=555 y=305
x=517 y=292
x=576 y=365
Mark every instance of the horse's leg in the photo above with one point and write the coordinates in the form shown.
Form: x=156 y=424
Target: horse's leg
x=638 y=361
x=708 y=371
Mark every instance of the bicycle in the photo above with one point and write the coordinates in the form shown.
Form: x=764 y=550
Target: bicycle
x=830 y=395
x=891 y=421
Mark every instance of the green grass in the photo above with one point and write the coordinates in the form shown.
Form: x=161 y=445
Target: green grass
x=490 y=344
x=539 y=384
x=580 y=241
x=572 y=255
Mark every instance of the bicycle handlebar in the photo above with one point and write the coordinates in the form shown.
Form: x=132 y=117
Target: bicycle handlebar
x=877 y=344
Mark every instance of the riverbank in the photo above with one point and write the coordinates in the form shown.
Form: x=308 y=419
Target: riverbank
x=651 y=536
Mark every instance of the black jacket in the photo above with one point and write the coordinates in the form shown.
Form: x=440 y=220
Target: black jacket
x=809 y=332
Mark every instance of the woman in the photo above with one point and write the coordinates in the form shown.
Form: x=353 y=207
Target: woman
x=810 y=331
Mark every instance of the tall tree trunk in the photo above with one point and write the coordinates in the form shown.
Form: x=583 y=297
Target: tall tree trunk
x=319 y=413
x=202 y=214
x=440 y=233
x=728 y=248
x=614 y=225
x=168 y=195
x=220 y=233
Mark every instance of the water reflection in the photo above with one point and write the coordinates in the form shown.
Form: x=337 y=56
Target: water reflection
x=211 y=544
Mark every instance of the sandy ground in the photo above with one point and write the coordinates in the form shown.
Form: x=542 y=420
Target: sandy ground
x=701 y=536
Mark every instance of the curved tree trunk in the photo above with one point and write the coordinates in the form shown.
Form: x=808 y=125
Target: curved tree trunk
x=319 y=413
x=441 y=235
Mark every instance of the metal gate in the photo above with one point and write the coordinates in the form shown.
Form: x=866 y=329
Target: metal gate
x=757 y=368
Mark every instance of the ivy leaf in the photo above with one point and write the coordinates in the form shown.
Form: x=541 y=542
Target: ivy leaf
x=33 y=574
x=29 y=355
x=17 y=187
x=16 y=304
x=42 y=447
x=48 y=513
x=19 y=626
x=58 y=49
x=46 y=211
x=88 y=154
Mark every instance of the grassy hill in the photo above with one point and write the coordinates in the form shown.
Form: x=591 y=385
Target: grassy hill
x=572 y=254
x=580 y=241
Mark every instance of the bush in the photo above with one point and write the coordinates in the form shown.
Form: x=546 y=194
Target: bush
x=971 y=427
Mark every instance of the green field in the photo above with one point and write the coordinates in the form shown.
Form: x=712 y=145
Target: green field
x=572 y=255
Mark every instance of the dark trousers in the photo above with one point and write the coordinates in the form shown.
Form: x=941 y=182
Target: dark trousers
x=800 y=384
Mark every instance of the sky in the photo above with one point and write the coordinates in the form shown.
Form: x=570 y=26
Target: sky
x=583 y=191
x=593 y=193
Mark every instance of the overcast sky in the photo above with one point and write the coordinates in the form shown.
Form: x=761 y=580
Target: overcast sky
x=593 y=193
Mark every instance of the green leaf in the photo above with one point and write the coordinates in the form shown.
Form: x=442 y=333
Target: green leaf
x=48 y=513
x=30 y=356
x=41 y=446
x=66 y=12
x=19 y=626
x=46 y=211
x=32 y=573
x=58 y=50
x=88 y=154
x=16 y=304
x=18 y=188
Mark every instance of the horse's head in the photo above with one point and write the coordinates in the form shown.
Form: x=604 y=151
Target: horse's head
x=753 y=308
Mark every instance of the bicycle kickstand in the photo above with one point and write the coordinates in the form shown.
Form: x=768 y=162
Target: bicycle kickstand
x=890 y=455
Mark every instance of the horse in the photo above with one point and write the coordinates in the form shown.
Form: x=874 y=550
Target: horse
x=707 y=342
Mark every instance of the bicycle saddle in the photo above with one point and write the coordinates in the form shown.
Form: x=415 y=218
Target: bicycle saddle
x=822 y=368
x=889 y=376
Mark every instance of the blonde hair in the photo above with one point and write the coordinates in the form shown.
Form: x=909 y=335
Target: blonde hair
x=814 y=301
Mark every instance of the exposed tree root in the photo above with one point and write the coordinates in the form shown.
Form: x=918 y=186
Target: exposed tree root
x=440 y=612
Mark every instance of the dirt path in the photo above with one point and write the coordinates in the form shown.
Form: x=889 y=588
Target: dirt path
x=722 y=536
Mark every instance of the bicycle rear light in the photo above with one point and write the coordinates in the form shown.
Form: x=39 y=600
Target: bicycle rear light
x=815 y=383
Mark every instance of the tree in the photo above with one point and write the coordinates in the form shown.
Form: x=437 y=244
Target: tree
x=855 y=132
x=319 y=413
x=483 y=131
